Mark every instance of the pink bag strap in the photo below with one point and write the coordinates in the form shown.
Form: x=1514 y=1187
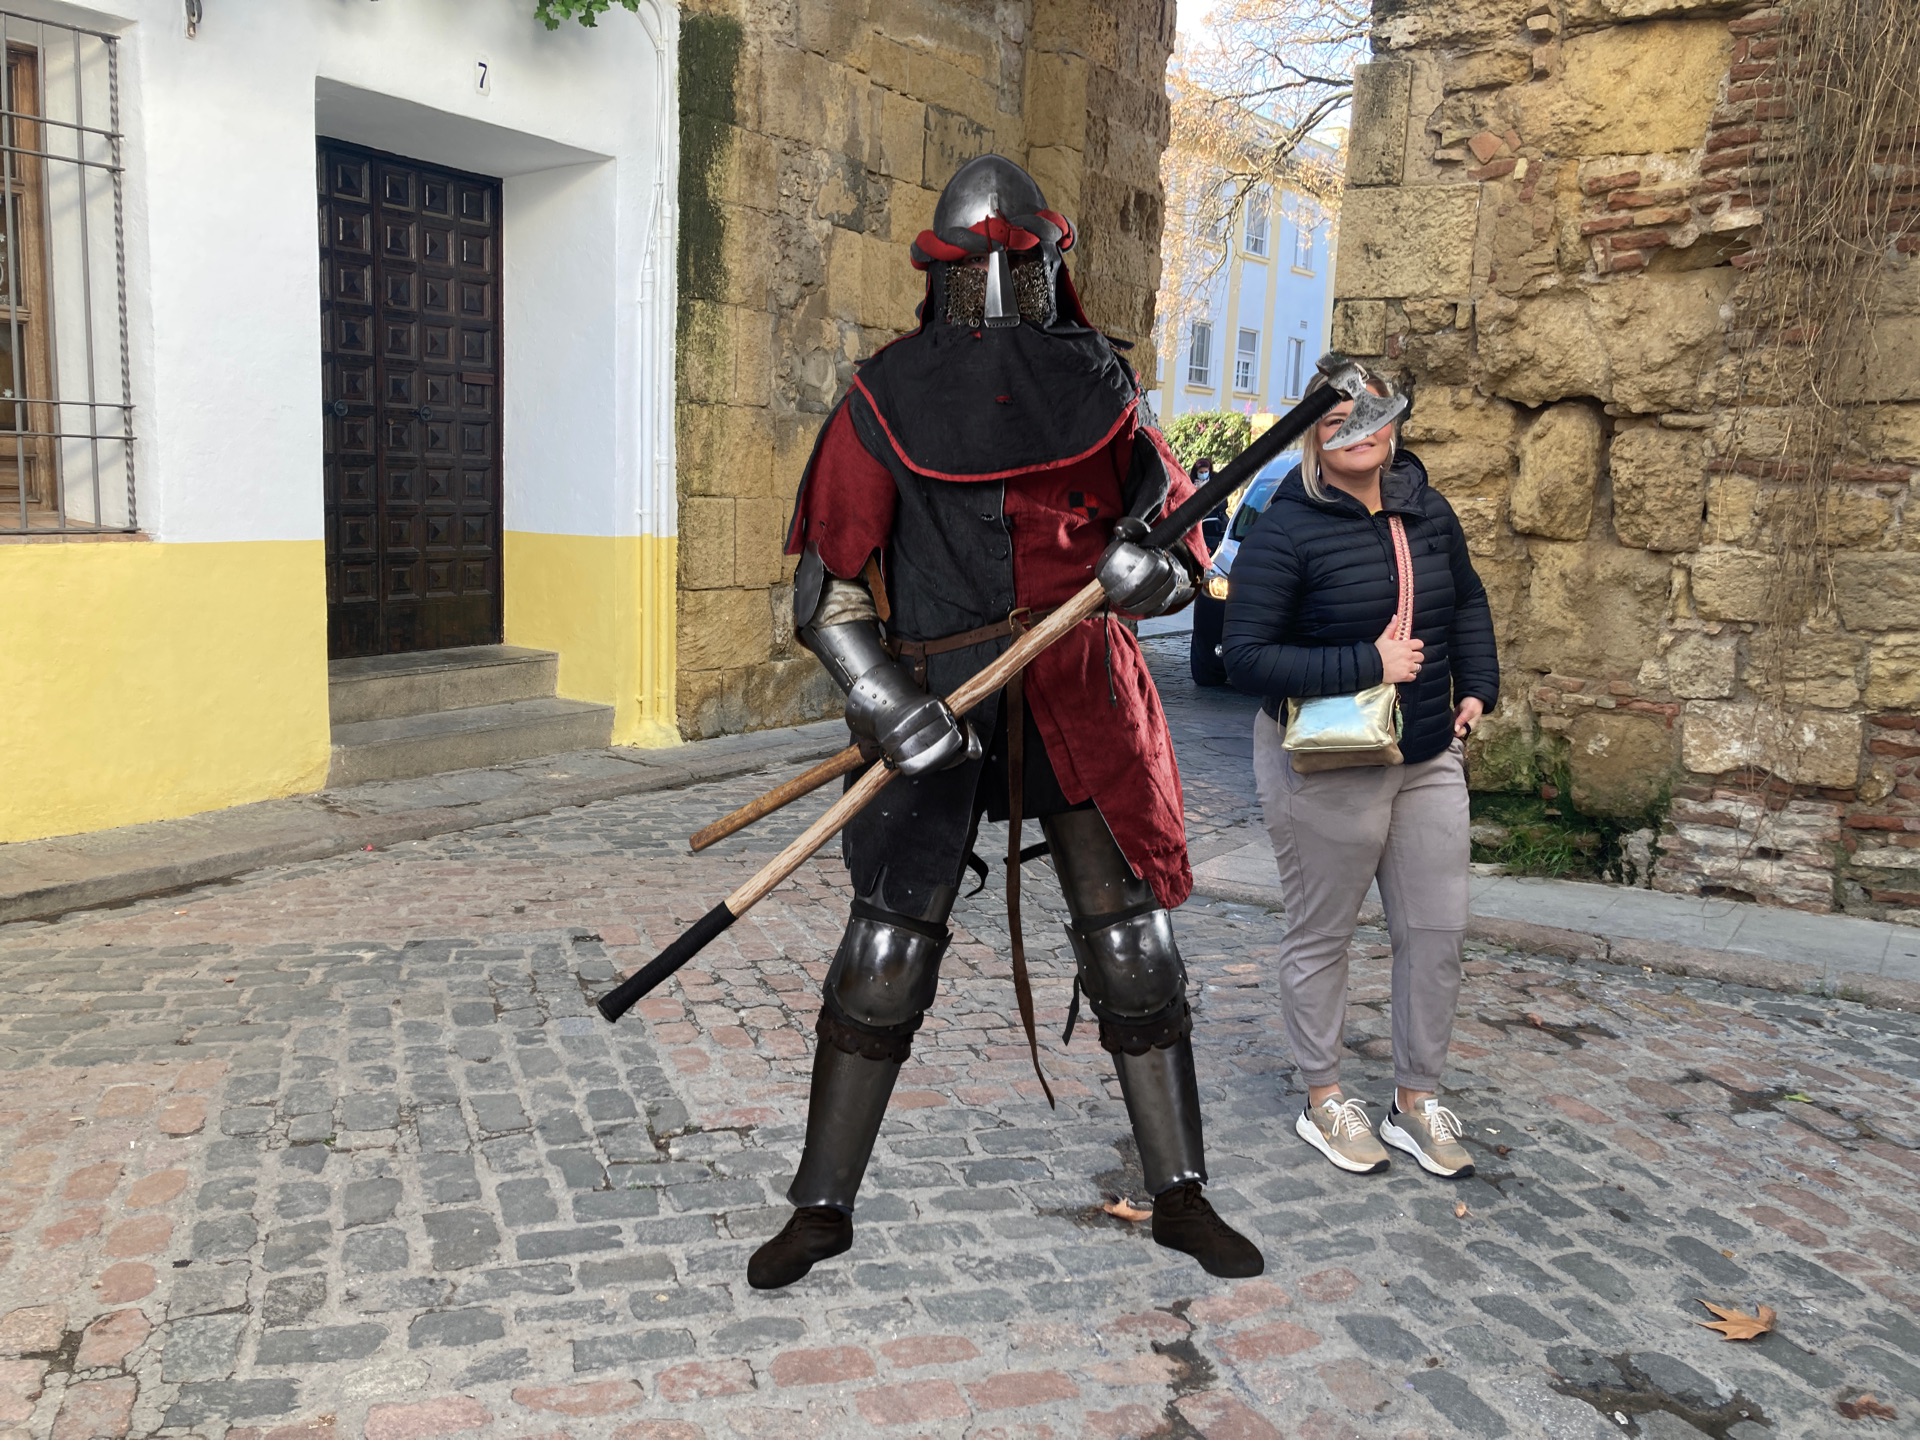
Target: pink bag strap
x=1403 y=562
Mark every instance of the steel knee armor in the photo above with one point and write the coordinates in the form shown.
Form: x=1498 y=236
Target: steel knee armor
x=881 y=982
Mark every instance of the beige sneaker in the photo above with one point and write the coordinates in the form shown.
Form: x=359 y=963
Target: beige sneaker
x=1430 y=1135
x=1338 y=1129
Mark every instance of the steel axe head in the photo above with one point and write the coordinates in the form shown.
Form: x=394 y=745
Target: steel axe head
x=1370 y=412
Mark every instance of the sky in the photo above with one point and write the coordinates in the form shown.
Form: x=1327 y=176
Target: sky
x=1191 y=17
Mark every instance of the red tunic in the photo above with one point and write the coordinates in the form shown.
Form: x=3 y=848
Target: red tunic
x=1109 y=745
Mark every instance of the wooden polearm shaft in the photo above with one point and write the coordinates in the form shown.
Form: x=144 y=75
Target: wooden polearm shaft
x=984 y=683
x=989 y=679
x=831 y=769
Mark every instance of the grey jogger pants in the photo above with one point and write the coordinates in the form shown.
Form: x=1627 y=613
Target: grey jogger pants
x=1335 y=832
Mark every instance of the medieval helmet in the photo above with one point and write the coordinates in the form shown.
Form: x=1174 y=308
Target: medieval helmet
x=993 y=208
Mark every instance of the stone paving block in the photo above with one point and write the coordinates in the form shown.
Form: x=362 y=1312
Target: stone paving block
x=201 y=1348
x=615 y=1205
x=291 y=1247
x=542 y=1245
x=311 y=1346
x=1455 y=1400
x=601 y=1353
x=468 y=1327
x=364 y=1253
x=296 y=1200
x=443 y=1416
x=289 y=1300
x=498 y=1114
x=448 y=1179
x=96 y=1408
x=204 y=1289
x=461 y=1238
x=204 y=1403
x=366 y=1203
x=526 y=1202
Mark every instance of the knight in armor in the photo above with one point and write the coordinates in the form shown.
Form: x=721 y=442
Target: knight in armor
x=977 y=473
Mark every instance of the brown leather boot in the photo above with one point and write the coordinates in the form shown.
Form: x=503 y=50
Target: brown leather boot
x=811 y=1235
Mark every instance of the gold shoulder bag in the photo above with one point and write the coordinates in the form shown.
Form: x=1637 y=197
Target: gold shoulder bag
x=1336 y=731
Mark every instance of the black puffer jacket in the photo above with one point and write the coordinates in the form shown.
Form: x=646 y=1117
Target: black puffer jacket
x=1314 y=585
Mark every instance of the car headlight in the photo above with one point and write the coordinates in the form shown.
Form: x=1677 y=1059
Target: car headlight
x=1217 y=587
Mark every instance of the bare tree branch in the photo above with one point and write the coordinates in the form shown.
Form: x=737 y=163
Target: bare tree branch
x=1246 y=99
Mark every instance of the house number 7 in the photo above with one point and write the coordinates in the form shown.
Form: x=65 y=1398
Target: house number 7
x=480 y=80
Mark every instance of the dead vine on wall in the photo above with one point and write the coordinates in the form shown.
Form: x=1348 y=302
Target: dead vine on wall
x=1836 y=188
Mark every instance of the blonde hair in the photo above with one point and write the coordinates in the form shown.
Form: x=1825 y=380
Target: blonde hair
x=1310 y=442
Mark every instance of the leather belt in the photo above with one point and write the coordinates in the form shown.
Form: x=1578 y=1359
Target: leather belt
x=917 y=651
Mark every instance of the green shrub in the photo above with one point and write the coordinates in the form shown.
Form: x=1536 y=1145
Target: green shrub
x=1222 y=434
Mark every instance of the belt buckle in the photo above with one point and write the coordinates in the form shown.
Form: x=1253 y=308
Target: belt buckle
x=1018 y=618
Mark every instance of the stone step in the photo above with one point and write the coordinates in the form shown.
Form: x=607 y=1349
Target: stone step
x=382 y=687
x=401 y=747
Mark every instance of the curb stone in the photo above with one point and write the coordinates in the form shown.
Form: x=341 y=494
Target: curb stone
x=313 y=827
x=1734 y=967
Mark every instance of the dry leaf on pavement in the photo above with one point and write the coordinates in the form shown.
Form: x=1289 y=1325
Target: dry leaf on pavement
x=1737 y=1325
x=1865 y=1408
x=1460 y=1210
x=1123 y=1208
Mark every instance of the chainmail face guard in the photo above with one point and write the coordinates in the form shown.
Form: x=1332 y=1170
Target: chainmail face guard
x=967 y=294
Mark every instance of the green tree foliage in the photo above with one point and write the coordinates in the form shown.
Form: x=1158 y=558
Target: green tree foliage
x=588 y=12
x=1222 y=434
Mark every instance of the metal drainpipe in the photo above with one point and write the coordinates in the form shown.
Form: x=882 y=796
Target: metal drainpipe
x=657 y=504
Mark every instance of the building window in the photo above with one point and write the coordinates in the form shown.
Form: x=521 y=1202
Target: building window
x=1257 y=220
x=1200 y=354
x=66 y=453
x=1296 y=358
x=1303 y=245
x=1246 y=360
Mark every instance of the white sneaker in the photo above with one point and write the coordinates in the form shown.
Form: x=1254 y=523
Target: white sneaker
x=1430 y=1135
x=1339 y=1130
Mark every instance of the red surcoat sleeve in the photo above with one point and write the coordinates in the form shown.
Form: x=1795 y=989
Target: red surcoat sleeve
x=846 y=508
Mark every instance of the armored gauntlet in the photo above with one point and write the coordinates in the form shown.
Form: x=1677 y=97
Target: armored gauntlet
x=885 y=708
x=1139 y=580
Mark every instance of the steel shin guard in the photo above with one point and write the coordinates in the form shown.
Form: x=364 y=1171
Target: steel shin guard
x=849 y=1101
x=1163 y=1103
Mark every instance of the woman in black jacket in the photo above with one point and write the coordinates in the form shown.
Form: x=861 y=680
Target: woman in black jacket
x=1310 y=613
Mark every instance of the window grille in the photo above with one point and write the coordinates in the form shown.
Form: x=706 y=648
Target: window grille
x=66 y=414
x=1246 y=361
x=1296 y=357
x=1200 y=354
x=1303 y=244
x=1257 y=221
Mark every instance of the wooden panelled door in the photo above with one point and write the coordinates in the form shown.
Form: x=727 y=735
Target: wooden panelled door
x=410 y=314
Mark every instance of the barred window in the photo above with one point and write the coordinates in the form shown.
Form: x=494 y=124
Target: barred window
x=66 y=421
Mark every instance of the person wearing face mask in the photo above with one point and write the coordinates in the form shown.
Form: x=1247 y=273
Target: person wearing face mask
x=1315 y=611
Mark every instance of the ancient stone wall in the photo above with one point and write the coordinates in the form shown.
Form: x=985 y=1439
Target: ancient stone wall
x=1551 y=202
x=815 y=137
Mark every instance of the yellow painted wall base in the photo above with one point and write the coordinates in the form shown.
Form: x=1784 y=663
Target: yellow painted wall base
x=607 y=605
x=139 y=682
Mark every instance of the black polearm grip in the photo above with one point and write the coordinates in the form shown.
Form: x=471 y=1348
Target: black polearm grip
x=1243 y=467
x=623 y=997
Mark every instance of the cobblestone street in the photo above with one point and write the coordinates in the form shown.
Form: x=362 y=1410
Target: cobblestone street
x=341 y=1149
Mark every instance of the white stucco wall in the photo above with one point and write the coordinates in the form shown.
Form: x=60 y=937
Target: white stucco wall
x=222 y=251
